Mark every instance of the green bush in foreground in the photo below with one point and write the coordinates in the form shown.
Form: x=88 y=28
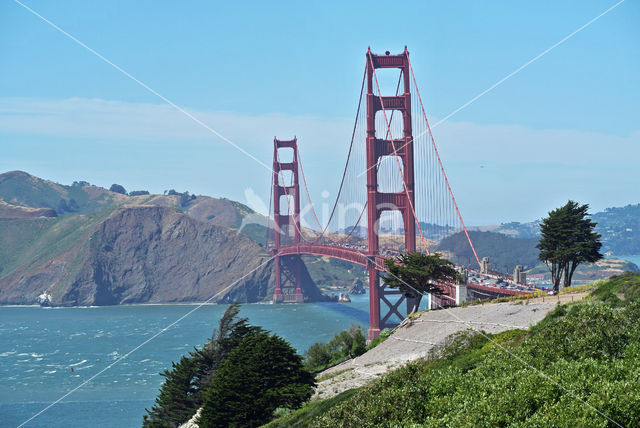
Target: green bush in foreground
x=626 y=285
x=344 y=345
x=182 y=391
x=261 y=374
x=303 y=416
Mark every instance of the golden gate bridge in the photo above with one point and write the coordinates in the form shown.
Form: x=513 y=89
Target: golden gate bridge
x=394 y=197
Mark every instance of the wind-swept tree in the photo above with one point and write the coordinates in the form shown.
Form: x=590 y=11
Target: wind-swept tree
x=261 y=374
x=416 y=274
x=179 y=396
x=182 y=392
x=568 y=238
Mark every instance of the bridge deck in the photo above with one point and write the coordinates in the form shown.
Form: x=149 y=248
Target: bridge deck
x=356 y=256
x=352 y=255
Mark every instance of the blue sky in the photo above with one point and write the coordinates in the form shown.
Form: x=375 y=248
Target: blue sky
x=566 y=126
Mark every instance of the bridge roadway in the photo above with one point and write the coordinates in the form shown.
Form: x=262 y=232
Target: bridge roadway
x=348 y=254
x=356 y=256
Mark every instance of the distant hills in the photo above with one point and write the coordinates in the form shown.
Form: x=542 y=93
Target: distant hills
x=505 y=252
x=86 y=245
x=619 y=227
x=82 y=244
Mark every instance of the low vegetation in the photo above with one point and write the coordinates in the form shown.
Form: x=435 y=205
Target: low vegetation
x=310 y=410
x=384 y=335
x=344 y=345
x=618 y=290
x=118 y=188
x=580 y=366
x=185 y=197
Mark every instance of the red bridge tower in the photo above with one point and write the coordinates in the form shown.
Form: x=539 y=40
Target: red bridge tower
x=286 y=225
x=378 y=202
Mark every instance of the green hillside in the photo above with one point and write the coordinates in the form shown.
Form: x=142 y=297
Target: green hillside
x=20 y=188
x=328 y=272
x=578 y=367
x=39 y=253
x=31 y=242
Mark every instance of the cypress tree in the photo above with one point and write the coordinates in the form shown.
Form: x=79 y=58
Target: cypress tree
x=261 y=374
x=416 y=274
x=182 y=392
x=568 y=238
x=178 y=399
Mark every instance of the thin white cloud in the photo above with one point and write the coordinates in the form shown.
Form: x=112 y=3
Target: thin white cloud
x=515 y=144
x=487 y=164
x=458 y=141
x=105 y=119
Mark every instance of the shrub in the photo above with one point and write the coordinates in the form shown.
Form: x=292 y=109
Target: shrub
x=182 y=392
x=118 y=189
x=627 y=284
x=261 y=374
x=344 y=345
x=384 y=335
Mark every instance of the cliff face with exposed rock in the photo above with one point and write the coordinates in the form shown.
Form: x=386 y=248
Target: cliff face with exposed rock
x=85 y=245
x=149 y=255
x=154 y=254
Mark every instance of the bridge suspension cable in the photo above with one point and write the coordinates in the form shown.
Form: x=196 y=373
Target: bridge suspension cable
x=440 y=217
x=435 y=148
x=323 y=229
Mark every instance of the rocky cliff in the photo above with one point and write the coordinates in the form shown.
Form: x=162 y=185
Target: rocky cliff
x=86 y=245
x=148 y=255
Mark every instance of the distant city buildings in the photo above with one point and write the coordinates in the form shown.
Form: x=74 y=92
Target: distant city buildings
x=519 y=276
x=485 y=266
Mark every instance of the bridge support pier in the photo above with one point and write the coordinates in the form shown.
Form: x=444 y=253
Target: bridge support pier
x=461 y=293
x=288 y=271
x=374 y=302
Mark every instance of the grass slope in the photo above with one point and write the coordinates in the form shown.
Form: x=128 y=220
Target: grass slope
x=23 y=189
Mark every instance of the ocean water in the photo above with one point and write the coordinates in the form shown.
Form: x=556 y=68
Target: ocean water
x=40 y=346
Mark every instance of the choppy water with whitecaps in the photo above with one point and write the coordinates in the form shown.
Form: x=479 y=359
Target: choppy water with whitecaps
x=39 y=347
